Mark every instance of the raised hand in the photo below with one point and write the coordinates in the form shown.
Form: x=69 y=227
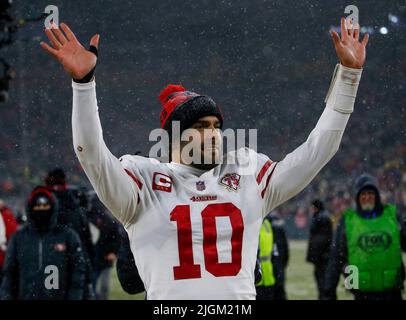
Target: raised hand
x=350 y=51
x=75 y=59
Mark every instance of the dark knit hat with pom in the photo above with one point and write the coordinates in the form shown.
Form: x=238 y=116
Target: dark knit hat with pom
x=40 y=195
x=187 y=107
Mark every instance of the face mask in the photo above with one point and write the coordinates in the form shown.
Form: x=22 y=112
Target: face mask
x=41 y=220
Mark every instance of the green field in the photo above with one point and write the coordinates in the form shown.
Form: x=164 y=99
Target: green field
x=300 y=284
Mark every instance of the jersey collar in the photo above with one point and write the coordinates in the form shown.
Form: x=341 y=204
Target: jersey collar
x=182 y=168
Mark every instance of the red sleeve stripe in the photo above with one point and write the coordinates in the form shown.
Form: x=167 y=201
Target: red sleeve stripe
x=263 y=171
x=139 y=184
x=267 y=181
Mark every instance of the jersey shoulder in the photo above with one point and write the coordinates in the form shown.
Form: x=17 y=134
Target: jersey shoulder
x=138 y=163
x=247 y=161
x=142 y=169
x=128 y=161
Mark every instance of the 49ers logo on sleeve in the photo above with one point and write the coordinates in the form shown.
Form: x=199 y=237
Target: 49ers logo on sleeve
x=161 y=182
x=231 y=181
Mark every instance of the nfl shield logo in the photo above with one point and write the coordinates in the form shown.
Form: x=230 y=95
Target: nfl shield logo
x=200 y=185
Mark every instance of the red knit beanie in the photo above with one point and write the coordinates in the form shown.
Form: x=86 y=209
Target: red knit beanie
x=187 y=107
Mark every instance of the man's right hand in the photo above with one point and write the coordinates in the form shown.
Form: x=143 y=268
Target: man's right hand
x=75 y=59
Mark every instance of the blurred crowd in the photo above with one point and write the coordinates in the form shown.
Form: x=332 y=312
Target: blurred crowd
x=66 y=227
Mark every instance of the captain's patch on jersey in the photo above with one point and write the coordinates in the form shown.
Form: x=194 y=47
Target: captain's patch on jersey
x=231 y=181
x=161 y=182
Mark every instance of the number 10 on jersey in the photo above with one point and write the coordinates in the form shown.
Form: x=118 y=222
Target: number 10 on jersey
x=187 y=269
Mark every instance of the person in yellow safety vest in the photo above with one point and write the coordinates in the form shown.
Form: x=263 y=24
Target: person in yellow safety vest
x=266 y=244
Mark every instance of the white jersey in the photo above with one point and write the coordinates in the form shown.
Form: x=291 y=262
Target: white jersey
x=3 y=238
x=194 y=234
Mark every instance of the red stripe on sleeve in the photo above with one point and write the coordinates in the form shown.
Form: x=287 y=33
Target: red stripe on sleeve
x=138 y=182
x=267 y=181
x=263 y=171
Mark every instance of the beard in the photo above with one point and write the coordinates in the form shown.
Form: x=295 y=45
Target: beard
x=207 y=155
x=207 y=163
x=368 y=206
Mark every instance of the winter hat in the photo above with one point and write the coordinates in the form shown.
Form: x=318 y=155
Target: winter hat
x=363 y=182
x=184 y=106
x=42 y=220
x=40 y=195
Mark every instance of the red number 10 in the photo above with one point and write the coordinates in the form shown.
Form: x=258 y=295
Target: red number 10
x=187 y=268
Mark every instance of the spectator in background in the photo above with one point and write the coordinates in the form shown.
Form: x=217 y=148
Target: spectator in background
x=107 y=243
x=43 y=243
x=280 y=255
x=370 y=237
x=72 y=215
x=321 y=233
x=265 y=286
x=8 y=226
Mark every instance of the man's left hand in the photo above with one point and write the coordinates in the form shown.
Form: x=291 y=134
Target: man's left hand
x=350 y=51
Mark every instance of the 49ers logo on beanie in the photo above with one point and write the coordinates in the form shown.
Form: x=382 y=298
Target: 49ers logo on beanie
x=184 y=106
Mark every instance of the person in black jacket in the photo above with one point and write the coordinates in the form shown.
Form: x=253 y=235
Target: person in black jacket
x=107 y=243
x=368 y=210
x=44 y=261
x=321 y=234
x=280 y=255
x=127 y=271
x=72 y=215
